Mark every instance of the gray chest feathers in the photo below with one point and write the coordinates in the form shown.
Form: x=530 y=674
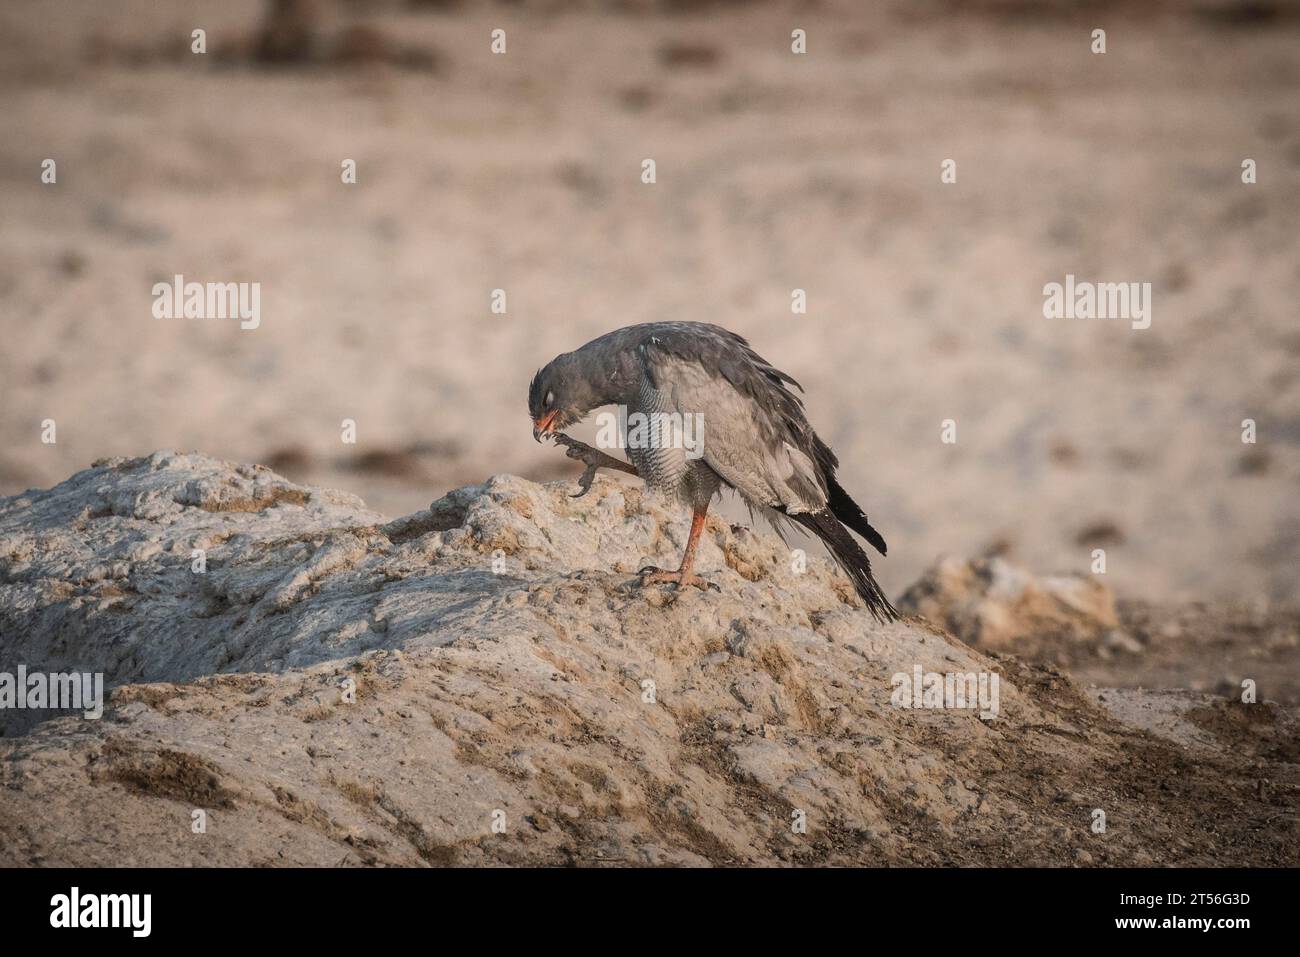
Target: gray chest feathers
x=666 y=446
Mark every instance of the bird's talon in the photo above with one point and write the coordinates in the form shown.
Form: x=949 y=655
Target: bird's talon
x=584 y=482
x=657 y=576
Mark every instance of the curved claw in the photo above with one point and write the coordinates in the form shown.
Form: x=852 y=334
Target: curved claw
x=584 y=480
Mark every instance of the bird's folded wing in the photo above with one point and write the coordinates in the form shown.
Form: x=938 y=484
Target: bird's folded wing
x=744 y=439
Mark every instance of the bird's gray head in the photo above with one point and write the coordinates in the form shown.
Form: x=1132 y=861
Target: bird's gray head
x=561 y=394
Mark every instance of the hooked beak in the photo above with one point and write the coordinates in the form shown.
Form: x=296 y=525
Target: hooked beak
x=545 y=425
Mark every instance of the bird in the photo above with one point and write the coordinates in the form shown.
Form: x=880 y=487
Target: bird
x=756 y=437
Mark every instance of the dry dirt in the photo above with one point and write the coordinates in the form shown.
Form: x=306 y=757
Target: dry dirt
x=338 y=689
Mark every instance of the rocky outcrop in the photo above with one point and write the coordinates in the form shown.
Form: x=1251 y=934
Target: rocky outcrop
x=296 y=680
x=998 y=606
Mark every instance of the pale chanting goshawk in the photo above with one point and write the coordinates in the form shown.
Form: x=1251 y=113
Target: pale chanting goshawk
x=756 y=438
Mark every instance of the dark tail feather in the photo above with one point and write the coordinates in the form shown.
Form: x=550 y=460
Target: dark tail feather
x=848 y=512
x=850 y=557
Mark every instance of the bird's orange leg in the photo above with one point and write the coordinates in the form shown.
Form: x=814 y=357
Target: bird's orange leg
x=654 y=576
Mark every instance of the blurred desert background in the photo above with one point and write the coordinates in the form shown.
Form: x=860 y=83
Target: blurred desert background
x=775 y=171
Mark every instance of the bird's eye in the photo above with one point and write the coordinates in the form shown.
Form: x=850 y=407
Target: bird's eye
x=550 y=399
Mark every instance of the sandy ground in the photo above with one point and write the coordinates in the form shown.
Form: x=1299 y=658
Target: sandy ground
x=775 y=171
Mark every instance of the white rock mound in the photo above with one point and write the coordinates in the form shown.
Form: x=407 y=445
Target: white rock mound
x=484 y=682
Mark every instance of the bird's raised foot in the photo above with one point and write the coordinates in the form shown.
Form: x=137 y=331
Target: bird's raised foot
x=593 y=458
x=650 y=575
